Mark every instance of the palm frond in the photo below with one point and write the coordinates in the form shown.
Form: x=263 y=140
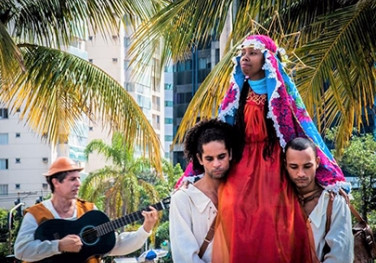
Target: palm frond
x=99 y=146
x=55 y=23
x=182 y=25
x=61 y=89
x=10 y=56
x=340 y=68
x=97 y=183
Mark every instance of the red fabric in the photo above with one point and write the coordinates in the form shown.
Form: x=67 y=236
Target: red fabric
x=259 y=217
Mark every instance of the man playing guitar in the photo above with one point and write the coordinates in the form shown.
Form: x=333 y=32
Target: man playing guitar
x=63 y=178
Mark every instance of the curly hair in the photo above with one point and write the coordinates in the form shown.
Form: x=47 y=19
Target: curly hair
x=207 y=131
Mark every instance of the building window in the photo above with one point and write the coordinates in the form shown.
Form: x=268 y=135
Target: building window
x=18 y=186
x=168 y=68
x=3 y=189
x=90 y=60
x=127 y=41
x=168 y=86
x=156 y=103
x=168 y=120
x=90 y=38
x=204 y=63
x=3 y=164
x=126 y=64
x=18 y=160
x=180 y=111
x=3 y=113
x=217 y=58
x=18 y=135
x=169 y=138
x=44 y=186
x=188 y=65
x=4 y=138
x=169 y=103
x=180 y=98
x=45 y=159
x=114 y=60
x=91 y=128
x=156 y=121
x=181 y=66
x=129 y=86
x=188 y=97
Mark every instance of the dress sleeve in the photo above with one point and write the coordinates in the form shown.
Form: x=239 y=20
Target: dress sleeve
x=26 y=248
x=184 y=246
x=340 y=238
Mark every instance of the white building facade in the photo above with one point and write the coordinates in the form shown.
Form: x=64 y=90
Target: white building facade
x=110 y=54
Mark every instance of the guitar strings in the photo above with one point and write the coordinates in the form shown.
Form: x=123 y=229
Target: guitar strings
x=106 y=228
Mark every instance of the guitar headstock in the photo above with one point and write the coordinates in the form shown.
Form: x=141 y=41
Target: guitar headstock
x=166 y=202
x=163 y=204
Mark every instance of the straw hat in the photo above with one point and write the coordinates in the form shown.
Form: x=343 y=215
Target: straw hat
x=62 y=164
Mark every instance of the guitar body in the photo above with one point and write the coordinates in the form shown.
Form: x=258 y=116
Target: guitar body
x=83 y=227
x=95 y=230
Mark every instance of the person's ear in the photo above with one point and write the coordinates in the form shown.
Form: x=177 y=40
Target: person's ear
x=230 y=155
x=54 y=181
x=199 y=158
x=318 y=161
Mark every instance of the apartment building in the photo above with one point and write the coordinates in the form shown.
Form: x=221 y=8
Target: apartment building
x=110 y=54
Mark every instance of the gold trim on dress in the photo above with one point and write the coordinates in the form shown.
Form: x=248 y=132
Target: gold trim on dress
x=258 y=99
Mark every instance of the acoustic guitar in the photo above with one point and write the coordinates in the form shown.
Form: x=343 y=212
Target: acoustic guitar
x=94 y=228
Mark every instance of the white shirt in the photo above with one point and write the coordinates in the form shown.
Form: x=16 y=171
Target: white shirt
x=339 y=238
x=28 y=249
x=191 y=215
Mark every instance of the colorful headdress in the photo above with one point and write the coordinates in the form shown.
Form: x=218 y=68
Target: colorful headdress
x=286 y=109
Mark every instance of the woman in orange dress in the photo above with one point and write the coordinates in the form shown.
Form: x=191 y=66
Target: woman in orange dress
x=259 y=217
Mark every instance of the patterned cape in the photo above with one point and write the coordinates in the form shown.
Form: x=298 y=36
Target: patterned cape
x=286 y=109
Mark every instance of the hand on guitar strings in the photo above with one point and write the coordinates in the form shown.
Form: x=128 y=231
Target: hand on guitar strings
x=151 y=218
x=70 y=243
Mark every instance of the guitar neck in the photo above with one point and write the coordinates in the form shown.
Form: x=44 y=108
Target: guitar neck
x=110 y=226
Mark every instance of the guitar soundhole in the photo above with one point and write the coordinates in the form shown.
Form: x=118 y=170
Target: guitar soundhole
x=89 y=235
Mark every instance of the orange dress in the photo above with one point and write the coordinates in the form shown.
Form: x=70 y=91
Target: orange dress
x=259 y=217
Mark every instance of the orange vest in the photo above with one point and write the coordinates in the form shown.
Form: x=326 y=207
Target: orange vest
x=41 y=214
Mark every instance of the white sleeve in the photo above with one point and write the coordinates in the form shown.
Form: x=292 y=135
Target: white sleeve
x=128 y=242
x=340 y=238
x=184 y=246
x=26 y=248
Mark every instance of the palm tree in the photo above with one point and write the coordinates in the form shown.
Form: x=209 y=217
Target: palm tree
x=116 y=188
x=55 y=88
x=331 y=45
